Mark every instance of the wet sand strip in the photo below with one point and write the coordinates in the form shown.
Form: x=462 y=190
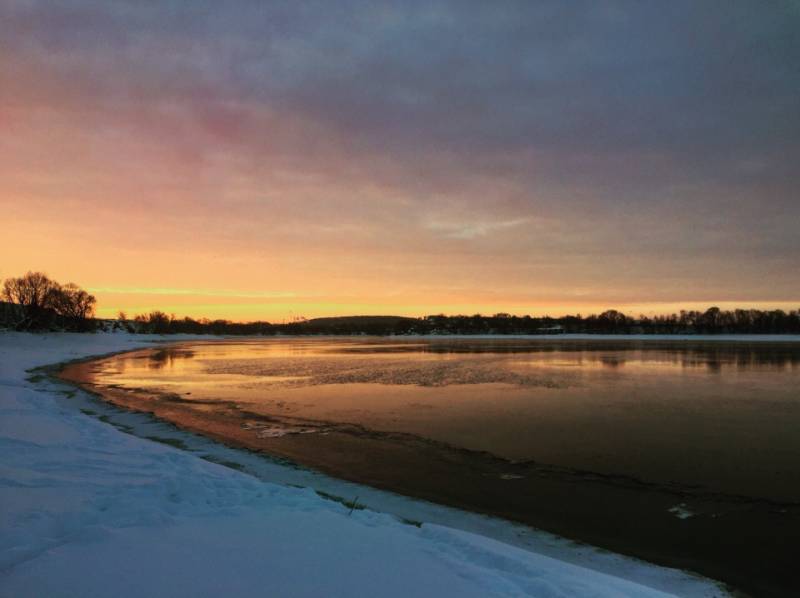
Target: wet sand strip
x=735 y=539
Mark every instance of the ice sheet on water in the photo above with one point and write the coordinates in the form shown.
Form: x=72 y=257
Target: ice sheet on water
x=681 y=511
x=277 y=430
x=312 y=371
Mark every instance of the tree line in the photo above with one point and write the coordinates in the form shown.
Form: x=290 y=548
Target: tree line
x=36 y=302
x=711 y=321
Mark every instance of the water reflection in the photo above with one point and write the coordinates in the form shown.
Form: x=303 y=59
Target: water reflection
x=167 y=357
x=722 y=415
x=712 y=355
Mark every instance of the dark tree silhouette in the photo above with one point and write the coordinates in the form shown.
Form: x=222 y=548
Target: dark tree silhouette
x=35 y=294
x=44 y=303
x=73 y=303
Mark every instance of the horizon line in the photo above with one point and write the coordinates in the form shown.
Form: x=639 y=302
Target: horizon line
x=592 y=313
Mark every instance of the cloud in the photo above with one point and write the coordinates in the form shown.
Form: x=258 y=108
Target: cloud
x=317 y=144
x=193 y=292
x=472 y=230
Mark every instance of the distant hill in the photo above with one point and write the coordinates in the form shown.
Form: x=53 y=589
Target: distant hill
x=359 y=320
x=350 y=324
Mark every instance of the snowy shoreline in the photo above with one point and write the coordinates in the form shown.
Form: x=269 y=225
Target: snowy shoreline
x=88 y=510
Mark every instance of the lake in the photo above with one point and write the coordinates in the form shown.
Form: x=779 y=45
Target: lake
x=683 y=452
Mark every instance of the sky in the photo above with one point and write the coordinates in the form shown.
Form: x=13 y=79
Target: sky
x=271 y=160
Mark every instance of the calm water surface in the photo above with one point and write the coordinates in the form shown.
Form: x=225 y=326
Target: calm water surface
x=719 y=416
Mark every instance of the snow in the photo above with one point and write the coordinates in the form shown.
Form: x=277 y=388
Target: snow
x=87 y=510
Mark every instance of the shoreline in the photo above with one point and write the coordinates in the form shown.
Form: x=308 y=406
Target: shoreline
x=407 y=509
x=559 y=511
x=86 y=508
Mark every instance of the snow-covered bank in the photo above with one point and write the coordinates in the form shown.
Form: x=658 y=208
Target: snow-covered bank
x=86 y=510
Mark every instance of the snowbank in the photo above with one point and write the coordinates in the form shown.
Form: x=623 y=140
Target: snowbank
x=86 y=510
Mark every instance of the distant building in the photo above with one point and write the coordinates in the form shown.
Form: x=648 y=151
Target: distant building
x=550 y=330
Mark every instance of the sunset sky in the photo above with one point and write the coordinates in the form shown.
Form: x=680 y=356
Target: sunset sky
x=265 y=160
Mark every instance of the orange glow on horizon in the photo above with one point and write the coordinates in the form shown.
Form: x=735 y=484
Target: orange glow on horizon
x=173 y=181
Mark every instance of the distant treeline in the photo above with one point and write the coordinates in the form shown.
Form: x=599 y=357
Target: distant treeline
x=35 y=302
x=711 y=321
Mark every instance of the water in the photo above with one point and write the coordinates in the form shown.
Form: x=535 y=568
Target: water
x=723 y=416
x=683 y=453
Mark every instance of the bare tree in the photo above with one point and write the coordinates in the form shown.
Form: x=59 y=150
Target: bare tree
x=35 y=293
x=72 y=302
x=43 y=302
